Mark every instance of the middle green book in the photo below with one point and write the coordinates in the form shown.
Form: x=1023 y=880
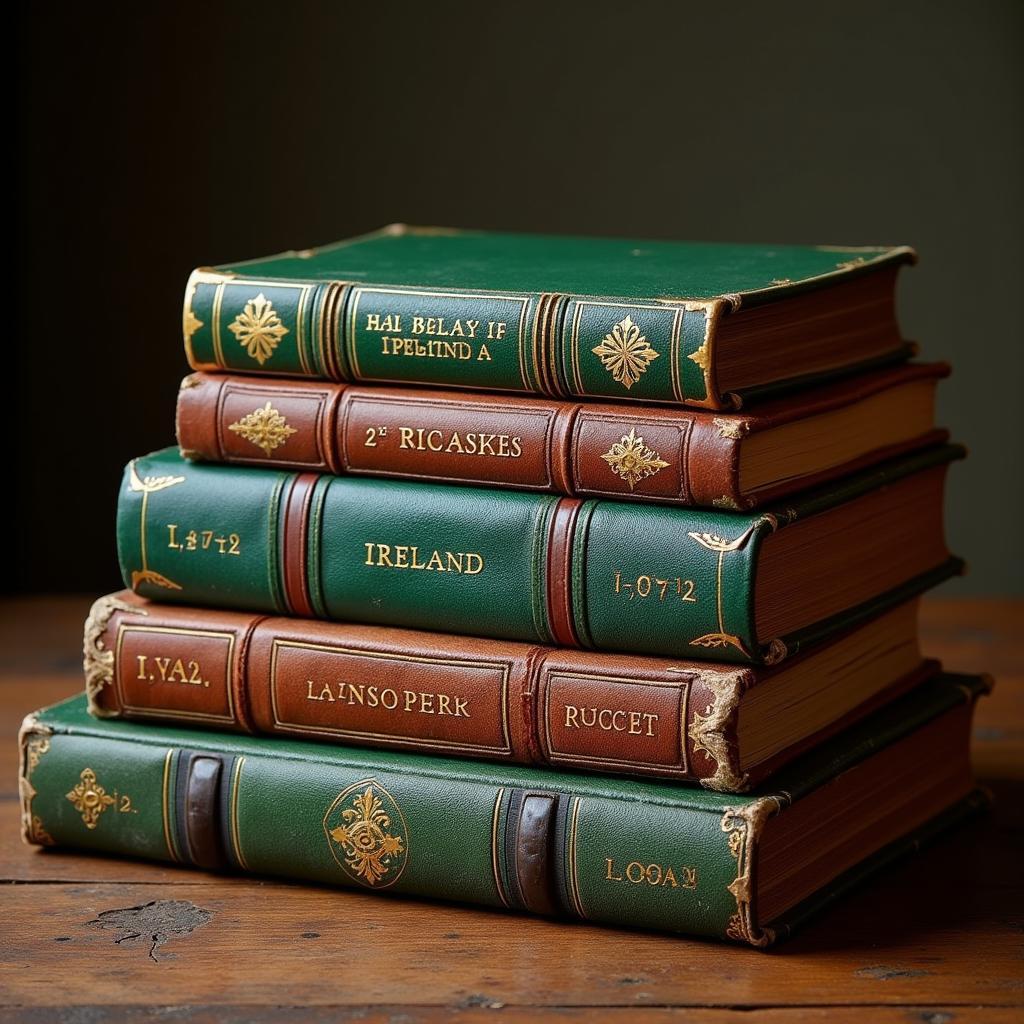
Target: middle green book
x=611 y=575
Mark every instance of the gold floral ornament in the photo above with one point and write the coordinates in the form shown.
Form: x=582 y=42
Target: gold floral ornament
x=632 y=460
x=625 y=353
x=266 y=428
x=190 y=324
x=702 y=357
x=258 y=328
x=149 y=485
x=367 y=834
x=90 y=798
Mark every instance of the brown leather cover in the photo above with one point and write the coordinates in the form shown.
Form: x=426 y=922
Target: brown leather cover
x=382 y=687
x=202 y=827
x=533 y=444
x=533 y=874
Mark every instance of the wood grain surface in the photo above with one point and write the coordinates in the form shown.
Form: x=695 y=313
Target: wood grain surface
x=935 y=940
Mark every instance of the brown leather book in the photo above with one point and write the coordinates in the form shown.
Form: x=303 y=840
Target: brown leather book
x=727 y=727
x=639 y=453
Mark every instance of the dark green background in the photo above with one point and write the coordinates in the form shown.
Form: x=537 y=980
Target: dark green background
x=150 y=140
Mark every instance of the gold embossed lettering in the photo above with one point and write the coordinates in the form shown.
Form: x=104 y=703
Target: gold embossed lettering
x=645 y=585
x=657 y=876
x=403 y=556
x=636 y=723
x=204 y=540
x=378 y=324
x=408 y=701
x=502 y=446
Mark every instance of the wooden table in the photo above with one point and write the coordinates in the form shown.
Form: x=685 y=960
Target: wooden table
x=937 y=939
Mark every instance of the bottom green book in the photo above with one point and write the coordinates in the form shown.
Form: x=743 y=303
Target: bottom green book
x=619 y=851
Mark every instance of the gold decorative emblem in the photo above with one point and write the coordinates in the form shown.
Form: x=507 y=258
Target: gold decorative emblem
x=149 y=485
x=735 y=430
x=90 y=798
x=258 y=328
x=632 y=460
x=702 y=357
x=34 y=741
x=190 y=324
x=743 y=827
x=266 y=428
x=367 y=834
x=625 y=353
x=722 y=547
x=97 y=659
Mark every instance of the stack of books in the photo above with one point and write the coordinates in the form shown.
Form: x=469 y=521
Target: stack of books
x=570 y=576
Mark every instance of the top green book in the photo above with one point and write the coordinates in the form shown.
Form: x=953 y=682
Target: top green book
x=696 y=323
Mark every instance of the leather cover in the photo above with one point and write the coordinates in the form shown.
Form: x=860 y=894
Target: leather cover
x=621 y=852
x=505 y=564
x=581 y=449
x=443 y=694
x=553 y=316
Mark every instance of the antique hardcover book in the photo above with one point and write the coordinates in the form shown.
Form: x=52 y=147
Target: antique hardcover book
x=724 y=726
x=583 y=449
x=623 y=852
x=697 y=323
x=727 y=586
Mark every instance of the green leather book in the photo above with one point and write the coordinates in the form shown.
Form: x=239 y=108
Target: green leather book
x=621 y=852
x=724 y=586
x=697 y=323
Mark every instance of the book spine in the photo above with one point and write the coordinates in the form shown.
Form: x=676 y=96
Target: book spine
x=532 y=343
x=438 y=693
x=396 y=826
x=504 y=564
x=576 y=449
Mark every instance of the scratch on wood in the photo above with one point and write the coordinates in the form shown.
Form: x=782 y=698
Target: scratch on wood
x=154 y=922
x=882 y=972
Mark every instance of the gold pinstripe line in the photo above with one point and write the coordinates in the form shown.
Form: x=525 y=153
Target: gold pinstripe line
x=166 y=806
x=236 y=778
x=218 y=301
x=495 y=864
x=574 y=881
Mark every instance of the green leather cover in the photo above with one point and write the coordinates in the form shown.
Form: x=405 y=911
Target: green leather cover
x=622 y=852
x=642 y=578
x=475 y=309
